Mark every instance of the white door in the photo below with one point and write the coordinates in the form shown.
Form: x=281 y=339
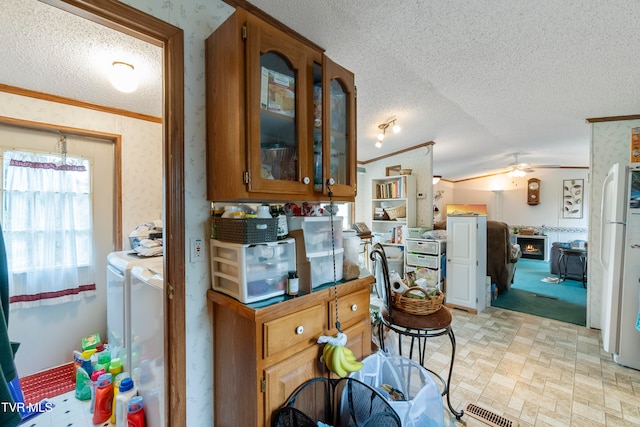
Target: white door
x=461 y=261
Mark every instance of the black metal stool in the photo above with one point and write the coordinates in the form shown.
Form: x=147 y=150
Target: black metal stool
x=417 y=327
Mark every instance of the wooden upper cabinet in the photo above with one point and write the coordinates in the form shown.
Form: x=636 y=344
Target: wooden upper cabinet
x=278 y=87
x=339 y=106
x=280 y=116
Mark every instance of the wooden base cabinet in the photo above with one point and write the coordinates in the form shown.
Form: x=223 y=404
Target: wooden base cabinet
x=261 y=355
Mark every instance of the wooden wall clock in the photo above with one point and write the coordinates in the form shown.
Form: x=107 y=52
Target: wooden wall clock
x=533 y=191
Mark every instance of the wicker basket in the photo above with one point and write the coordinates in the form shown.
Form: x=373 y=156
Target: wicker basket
x=396 y=212
x=428 y=305
x=246 y=230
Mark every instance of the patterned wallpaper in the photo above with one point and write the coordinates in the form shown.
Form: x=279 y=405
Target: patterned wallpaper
x=610 y=144
x=141 y=151
x=198 y=19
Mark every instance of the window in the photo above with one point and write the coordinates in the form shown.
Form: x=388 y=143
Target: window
x=47 y=227
x=344 y=210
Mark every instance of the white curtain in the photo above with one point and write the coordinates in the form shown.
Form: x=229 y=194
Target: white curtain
x=47 y=228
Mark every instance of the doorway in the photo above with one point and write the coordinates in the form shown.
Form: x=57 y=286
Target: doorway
x=138 y=24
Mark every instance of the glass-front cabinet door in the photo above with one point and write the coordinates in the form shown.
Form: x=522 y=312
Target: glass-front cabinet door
x=339 y=149
x=279 y=83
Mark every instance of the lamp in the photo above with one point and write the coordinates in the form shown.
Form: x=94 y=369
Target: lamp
x=436 y=179
x=123 y=77
x=383 y=130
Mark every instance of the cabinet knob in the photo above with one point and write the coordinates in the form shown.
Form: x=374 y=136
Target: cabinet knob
x=331 y=181
x=354 y=307
x=299 y=330
x=306 y=180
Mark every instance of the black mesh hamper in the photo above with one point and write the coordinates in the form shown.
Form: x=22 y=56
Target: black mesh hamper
x=344 y=402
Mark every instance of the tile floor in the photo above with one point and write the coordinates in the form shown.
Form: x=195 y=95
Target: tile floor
x=538 y=372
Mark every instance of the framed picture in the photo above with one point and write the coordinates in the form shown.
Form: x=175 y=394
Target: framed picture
x=572 y=196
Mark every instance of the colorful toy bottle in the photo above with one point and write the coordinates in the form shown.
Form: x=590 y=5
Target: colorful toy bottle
x=104 y=399
x=83 y=387
x=125 y=393
x=104 y=360
x=135 y=412
x=116 y=389
x=94 y=386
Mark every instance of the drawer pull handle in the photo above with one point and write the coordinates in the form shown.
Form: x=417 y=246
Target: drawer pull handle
x=299 y=330
x=354 y=307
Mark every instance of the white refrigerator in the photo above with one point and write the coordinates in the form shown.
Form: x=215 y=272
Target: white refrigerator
x=620 y=257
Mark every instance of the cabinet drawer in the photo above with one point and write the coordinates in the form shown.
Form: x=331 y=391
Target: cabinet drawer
x=423 y=260
x=423 y=246
x=287 y=331
x=351 y=309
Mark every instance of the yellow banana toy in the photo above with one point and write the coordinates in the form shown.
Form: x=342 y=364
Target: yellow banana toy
x=338 y=358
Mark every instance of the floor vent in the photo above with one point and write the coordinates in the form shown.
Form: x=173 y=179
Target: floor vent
x=488 y=417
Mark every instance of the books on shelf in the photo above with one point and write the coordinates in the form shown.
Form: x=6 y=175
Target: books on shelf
x=391 y=190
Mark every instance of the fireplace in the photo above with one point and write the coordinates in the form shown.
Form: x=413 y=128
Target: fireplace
x=533 y=247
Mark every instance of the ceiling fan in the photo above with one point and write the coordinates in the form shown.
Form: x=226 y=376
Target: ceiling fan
x=518 y=169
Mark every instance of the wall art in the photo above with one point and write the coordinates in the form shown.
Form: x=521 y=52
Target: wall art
x=572 y=196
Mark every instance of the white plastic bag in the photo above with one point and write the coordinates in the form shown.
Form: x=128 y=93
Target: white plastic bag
x=422 y=404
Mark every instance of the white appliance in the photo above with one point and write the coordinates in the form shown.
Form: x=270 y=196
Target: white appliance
x=620 y=255
x=119 y=266
x=147 y=338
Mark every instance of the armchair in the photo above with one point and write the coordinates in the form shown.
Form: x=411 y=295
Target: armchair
x=502 y=255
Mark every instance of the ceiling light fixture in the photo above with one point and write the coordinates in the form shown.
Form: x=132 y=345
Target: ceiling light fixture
x=517 y=172
x=383 y=130
x=123 y=77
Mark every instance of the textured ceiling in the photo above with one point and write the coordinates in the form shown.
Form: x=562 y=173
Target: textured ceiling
x=52 y=51
x=482 y=79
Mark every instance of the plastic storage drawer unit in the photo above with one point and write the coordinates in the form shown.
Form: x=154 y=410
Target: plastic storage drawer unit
x=252 y=272
x=429 y=247
x=420 y=260
x=317 y=231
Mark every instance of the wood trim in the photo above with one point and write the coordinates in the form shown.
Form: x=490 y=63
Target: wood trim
x=115 y=139
x=74 y=102
x=136 y=23
x=505 y=172
x=415 y=147
x=613 y=118
x=272 y=21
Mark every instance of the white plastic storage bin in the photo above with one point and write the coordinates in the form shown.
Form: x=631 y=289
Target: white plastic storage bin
x=317 y=231
x=252 y=272
x=322 y=267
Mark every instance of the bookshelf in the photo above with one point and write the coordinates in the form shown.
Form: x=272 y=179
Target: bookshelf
x=389 y=195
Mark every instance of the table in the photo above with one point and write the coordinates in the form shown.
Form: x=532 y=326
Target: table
x=565 y=254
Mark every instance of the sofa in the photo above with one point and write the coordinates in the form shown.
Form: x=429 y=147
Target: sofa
x=574 y=267
x=502 y=255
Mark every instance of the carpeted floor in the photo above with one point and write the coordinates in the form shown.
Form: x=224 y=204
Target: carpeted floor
x=49 y=383
x=565 y=301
